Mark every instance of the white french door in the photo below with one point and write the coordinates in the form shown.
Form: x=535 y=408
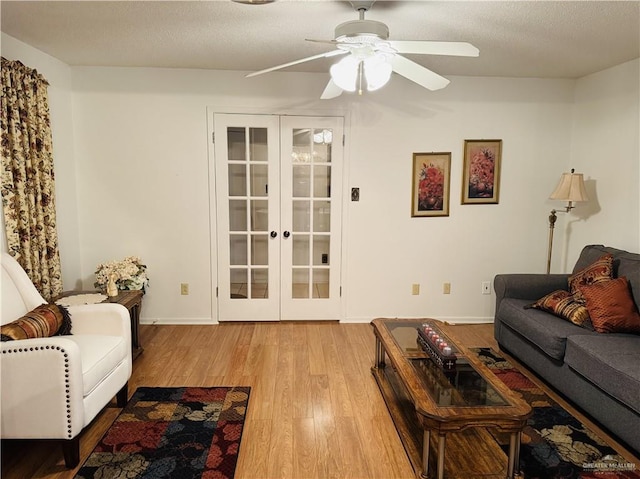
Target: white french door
x=278 y=216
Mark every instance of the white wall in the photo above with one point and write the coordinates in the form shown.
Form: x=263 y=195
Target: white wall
x=606 y=149
x=141 y=148
x=139 y=144
x=58 y=74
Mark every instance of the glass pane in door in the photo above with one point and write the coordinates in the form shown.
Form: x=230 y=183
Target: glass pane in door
x=322 y=142
x=320 y=283
x=259 y=283
x=301 y=181
x=236 y=144
x=237 y=215
x=322 y=181
x=321 y=216
x=258 y=144
x=259 y=215
x=300 y=286
x=300 y=251
x=237 y=180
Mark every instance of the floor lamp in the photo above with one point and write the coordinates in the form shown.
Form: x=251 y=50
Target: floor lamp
x=571 y=189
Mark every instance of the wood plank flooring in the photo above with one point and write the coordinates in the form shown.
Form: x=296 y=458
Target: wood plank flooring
x=315 y=410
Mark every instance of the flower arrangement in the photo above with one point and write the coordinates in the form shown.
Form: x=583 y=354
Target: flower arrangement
x=129 y=274
x=430 y=187
x=481 y=174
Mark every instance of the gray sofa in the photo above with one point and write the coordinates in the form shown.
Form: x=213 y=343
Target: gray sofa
x=599 y=373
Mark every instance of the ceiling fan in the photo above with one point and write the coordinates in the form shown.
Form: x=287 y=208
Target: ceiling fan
x=371 y=57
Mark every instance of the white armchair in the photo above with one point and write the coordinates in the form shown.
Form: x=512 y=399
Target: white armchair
x=51 y=388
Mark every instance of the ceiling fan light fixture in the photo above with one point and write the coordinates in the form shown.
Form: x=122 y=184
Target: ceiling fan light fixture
x=377 y=71
x=361 y=30
x=345 y=73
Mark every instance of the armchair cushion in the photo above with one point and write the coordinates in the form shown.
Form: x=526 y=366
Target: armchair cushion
x=42 y=322
x=100 y=356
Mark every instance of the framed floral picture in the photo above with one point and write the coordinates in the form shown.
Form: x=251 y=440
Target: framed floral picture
x=481 y=171
x=431 y=177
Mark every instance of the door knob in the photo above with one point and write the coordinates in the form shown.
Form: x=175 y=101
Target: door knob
x=286 y=234
x=273 y=234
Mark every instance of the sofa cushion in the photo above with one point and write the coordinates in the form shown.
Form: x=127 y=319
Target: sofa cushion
x=562 y=304
x=100 y=355
x=611 y=306
x=546 y=331
x=42 y=322
x=610 y=362
x=598 y=271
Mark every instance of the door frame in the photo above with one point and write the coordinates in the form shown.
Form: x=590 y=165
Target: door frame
x=213 y=241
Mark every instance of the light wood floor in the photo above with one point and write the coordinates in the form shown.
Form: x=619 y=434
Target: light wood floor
x=314 y=411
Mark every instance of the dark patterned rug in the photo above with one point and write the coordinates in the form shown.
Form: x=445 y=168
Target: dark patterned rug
x=173 y=433
x=555 y=445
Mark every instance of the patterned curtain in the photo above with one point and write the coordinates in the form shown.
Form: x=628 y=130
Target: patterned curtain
x=28 y=199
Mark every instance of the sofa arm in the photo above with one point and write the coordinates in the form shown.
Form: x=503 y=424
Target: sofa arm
x=42 y=389
x=527 y=286
x=109 y=319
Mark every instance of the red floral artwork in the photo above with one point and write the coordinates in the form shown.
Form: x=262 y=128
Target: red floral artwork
x=481 y=173
x=430 y=187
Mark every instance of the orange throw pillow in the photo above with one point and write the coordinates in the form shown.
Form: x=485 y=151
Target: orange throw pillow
x=611 y=306
x=44 y=321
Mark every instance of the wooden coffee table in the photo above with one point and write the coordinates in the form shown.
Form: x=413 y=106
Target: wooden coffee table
x=426 y=399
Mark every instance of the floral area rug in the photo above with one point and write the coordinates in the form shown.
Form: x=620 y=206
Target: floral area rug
x=180 y=433
x=555 y=445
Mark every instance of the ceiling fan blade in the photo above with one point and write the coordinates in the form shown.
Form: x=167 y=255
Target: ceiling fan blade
x=332 y=42
x=296 y=62
x=331 y=91
x=417 y=73
x=460 y=49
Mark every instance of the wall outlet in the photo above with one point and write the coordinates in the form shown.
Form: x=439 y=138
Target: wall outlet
x=184 y=289
x=415 y=289
x=486 y=287
x=446 y=288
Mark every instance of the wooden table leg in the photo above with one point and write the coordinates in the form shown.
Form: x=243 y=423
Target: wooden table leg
x=379 y=354
x=425 y=453
x=514 y=455
x=441 y=446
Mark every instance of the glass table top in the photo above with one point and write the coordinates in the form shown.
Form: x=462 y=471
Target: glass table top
x=462 y=386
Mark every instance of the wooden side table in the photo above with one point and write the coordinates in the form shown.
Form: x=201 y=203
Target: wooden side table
x=130 y=299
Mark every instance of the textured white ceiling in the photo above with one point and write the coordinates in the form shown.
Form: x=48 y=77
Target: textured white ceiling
x=552 y=39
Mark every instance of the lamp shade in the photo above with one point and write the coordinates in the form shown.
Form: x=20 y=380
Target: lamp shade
x=570 y=188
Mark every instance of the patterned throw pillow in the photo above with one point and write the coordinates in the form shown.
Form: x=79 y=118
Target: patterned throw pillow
x=600 y=270
x=611 y=306
x=44 y=321
x=562 y=304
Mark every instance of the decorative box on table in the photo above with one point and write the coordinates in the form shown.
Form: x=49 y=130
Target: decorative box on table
x=438 y=346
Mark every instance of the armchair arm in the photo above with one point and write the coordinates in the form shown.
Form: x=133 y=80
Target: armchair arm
x=103 y=318
x=41 y=389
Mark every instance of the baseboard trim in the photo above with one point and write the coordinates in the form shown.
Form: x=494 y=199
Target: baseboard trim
x=177 y=321
x=448 y=319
